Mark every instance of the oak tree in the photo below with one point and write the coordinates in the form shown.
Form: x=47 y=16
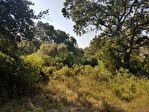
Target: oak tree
x=126 y=21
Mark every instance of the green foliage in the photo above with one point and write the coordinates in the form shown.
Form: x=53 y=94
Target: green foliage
x=146 y=64
x=49 y=70
x=35 y=60
x=47 y=33
x=27 y=47
x=64 y=72
x=5 y=62
x=139 y=66
x=18 y=19
x=57 y=54
x=6 y=45
x=48 y=49
x=125 y=91
x=89 y=88
x=96 y=86
x=106 y=51
x=109 y=53
x=89 y=58
x=120 y=20
x=70 y=78
x=16 y=75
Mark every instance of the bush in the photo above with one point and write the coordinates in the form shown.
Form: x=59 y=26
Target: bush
x=16 y=76
x=146 y=64
x=49 y=70
x=90 y=61
x=7 y=70
x=63 y=73
x=124 y=85
x=57 y=54
x=48 y=49
x=139 y=66
x=35 y=60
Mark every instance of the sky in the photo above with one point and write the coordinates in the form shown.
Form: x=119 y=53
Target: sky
x=56 y=19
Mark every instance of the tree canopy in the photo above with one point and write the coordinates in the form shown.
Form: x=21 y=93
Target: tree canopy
x=16 y=18
x=47 y=33
x=127 y=21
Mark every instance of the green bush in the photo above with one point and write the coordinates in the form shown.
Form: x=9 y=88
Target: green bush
x=146 y=64
x=48 y=49
x=49 y=70
x=125 y=85
x=63 y=73
x=90 y=61
x=57 y=54
x=35 y=60
x=7 y=72
x=16 y=75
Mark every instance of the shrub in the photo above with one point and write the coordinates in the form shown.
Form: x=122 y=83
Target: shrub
x=7 y=70
x=63 y=73
x=35 y=60
x=49 y=70
x=90 y=61
x=57 y=54
x=140 y=66
x=16 y=75
x=124 y=85
x=48 y=49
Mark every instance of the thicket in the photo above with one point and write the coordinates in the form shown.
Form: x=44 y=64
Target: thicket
x=87 y=89
x=17 y=76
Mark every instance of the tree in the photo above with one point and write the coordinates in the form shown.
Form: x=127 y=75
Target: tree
x=16 y=21
x=47 y=33
x=126 y=21
x=106 y=51
x=16 y=18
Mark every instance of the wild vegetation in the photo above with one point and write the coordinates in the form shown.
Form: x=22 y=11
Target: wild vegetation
x=43 y=69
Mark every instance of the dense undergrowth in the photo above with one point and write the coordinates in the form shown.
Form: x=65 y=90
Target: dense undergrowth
x=85 y=89
x=53 y=79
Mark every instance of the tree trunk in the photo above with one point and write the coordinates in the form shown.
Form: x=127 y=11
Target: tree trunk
x=127 y=59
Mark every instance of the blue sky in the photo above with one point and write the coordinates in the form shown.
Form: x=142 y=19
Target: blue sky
x=58 y=21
